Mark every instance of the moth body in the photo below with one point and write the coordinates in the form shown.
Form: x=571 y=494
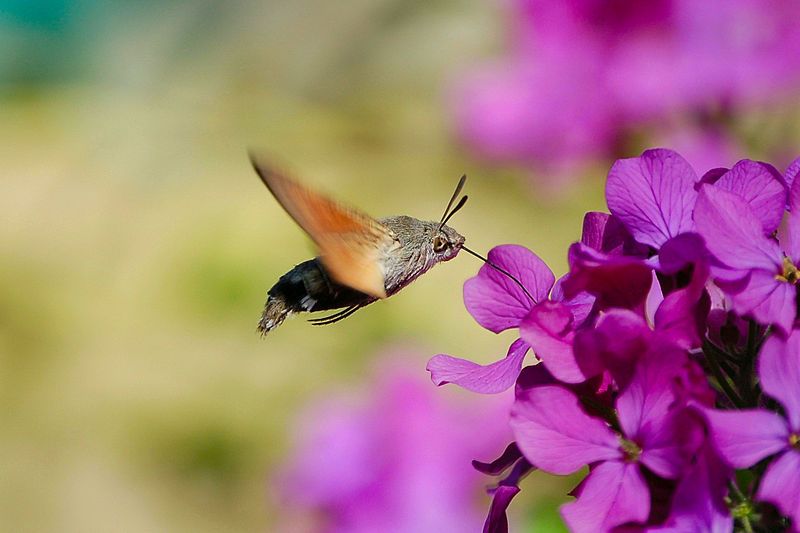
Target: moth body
x=308 y=287
x=361 y=259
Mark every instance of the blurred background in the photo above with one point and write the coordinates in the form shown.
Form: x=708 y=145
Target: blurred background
x=137 y=244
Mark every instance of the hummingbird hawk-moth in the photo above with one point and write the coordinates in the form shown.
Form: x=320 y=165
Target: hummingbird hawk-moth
x=361 y=259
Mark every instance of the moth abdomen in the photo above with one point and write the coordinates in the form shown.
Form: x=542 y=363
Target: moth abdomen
x=306 y=288
x=275 y=312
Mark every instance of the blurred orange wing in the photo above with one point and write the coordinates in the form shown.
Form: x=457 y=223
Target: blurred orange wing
x=350 y=242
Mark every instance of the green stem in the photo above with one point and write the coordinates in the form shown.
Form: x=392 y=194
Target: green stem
x=745 y=379
x=752 y=332
x=744 y=503
x=721 y=354
x=710 y=352
x=746 y=523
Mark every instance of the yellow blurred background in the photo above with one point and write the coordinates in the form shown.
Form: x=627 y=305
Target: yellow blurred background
x=137 y=244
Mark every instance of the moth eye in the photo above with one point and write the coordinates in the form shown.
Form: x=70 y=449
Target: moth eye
x=439 y=244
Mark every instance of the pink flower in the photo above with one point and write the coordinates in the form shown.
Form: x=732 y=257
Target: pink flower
x=394 y=458
x=745 y=437
x=756 y=271
x=583 y=76
x=498 y=304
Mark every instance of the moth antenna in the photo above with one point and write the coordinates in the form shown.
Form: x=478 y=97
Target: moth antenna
x=453 y=198
x=502 y=271
x=455 y=210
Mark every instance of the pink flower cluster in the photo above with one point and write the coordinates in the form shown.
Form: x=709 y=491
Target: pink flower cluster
x=392 y=457
x=665 y=359
x=585 y=77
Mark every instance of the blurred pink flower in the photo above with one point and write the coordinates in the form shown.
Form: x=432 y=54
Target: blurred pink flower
x=582 y=75
x=395 y=458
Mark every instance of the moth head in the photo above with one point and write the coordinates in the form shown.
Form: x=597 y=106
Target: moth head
x=446 y=243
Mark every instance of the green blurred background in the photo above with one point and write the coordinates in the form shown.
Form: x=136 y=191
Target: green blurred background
x=137 y=245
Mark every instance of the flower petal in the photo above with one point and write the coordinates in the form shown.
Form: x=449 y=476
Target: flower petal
x=580 y=304
x=650 y=394
x=668 y=445
x=699 y=501
x=779 y=370
x=533 y=376
x=681 y=251
x=789 y=234
x=792 y=172
x=555 y=434
x=761 y=186
x=767 y=299
x=497 y=302
x=711 y=176
x=497 y=521
x=745 y=437
x=606 y=233
x=683 y=313
x=548 y=331
x=653 y=195
x=490 y=379
x=781 y=485
x=733 y=233
x=616 y=342
x=509 y=456
x=615 y=493
x=615 y=281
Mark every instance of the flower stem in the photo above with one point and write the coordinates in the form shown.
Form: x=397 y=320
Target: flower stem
x=743 y=509
x=710 y=352
x=745 y=378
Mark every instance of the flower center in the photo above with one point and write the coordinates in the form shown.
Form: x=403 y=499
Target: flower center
x=631 y=450
x=742 y=510
x=794 y=441
x=790 y=272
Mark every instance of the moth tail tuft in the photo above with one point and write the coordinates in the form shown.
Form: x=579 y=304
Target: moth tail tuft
x=275 y=312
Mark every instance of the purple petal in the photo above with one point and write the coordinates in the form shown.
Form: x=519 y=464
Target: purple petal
x=711 y=177
x=653 y=195
x=669 y=444
x=655 y=297
x=615 y=281
x=761 y=186
x=556 y=435
x=509 y=456
x=595 y=235
x=497 y=302
x=616 y=342
x=789 y=235
x=533 y=376
x=745 y=437
x=699 y=501
x=767 y=299
x=648 y=397
x=520 y=469
x=490 y=379
x=606 y=233
x=781 y=485
x=615 y=493
x=792 y=172
x=733 y=233
x=692 y=387
x=548 y=331
x=779 y=370
x=497 y=521
x=580 y=304
x=681 y=251
x=683 y=313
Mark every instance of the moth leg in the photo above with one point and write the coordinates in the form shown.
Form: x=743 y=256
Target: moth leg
x=335 y=317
